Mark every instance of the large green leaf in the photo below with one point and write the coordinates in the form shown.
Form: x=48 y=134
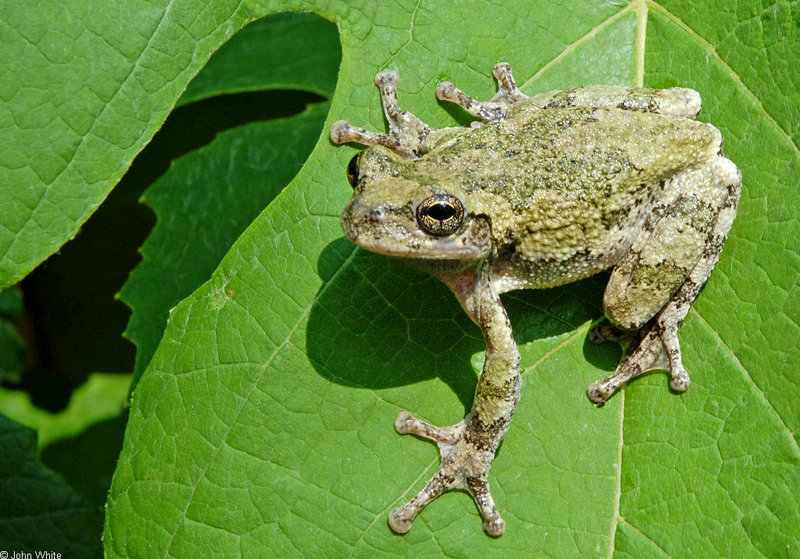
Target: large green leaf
x=267 y=412
x=265 y=419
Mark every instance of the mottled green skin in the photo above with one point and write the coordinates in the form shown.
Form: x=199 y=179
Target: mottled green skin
x=564 y=190
x=551 y=189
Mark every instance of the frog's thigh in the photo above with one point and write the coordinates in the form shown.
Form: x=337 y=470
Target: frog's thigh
x=676 y=101
x=674 y=241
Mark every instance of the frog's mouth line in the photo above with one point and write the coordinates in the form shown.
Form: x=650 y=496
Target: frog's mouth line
x=449 y=251
x=406 y=241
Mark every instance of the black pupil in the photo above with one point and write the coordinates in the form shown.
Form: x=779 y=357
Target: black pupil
x=441 y=211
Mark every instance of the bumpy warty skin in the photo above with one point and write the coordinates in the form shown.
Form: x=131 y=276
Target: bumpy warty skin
x=547 y=190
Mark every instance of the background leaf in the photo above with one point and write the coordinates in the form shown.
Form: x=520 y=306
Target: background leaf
x=12 y=347
x=80 y=443
x=38 y=510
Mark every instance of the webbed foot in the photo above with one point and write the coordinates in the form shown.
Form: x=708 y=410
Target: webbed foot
x=650 y=348
x=465 y=464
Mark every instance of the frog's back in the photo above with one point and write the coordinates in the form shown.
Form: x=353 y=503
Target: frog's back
x=571 y=184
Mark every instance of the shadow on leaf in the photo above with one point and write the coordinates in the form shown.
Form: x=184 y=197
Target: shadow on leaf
x=377 y=324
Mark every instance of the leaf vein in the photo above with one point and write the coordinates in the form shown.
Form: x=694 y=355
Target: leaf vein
x=580 y=41
x=746 y=375
x=252 y=388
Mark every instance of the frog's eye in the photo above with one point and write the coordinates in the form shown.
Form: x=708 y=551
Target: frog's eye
x=440 y=214
x=352 y=170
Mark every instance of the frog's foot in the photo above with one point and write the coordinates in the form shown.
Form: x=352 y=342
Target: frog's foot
x=406 y=132
x=493 y=109
x=464 y=465
x=610 y=333
x=655 y=346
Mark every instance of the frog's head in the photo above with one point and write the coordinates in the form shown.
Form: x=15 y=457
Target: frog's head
x=398 y=211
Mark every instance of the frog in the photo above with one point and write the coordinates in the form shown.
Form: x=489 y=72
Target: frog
x=537 y=192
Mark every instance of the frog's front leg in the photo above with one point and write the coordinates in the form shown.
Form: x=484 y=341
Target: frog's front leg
x=468 y=448
x=495 y=108
x=653 y=286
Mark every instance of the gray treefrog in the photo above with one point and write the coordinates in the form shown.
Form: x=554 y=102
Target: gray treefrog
x=544 y=191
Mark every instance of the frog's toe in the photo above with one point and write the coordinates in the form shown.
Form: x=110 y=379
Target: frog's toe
x=679 y=381
x=597 y=334
x=494 y=527
x=401 y=520
x=407 y=424
x=493 y=524
x=599 y=392
x=679 y=378
x=446 y=91
x=492 y=110
x=506 y=86
x=342 y=132
x=489 y=111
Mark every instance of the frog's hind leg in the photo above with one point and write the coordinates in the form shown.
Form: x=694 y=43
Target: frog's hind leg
x=493 y=109
x=675 y=101
x=652 y=287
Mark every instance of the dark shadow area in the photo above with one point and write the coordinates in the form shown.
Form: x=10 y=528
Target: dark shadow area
x=375 y=315
x=378 y=324
x=193 y=126
x=605 y=356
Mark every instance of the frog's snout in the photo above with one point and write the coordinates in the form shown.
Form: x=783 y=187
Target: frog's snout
x=362 y=221
x=357 y=212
